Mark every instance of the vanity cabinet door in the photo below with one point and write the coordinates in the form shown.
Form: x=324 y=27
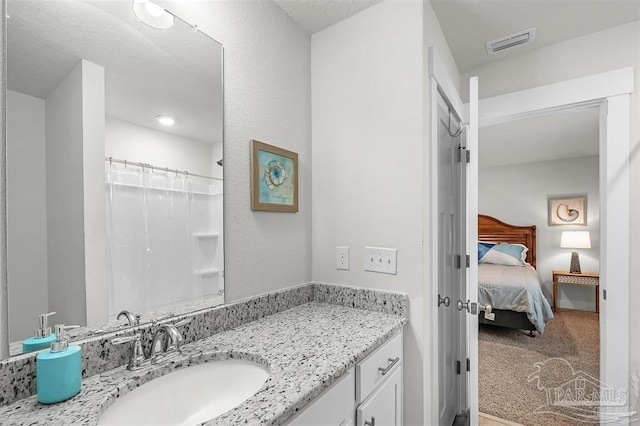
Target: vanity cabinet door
x=384 y=406
x=334 y=407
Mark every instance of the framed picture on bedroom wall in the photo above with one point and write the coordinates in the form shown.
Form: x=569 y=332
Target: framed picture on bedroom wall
x=568 y=210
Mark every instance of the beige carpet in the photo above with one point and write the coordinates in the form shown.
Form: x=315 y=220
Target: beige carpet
x=507 y=359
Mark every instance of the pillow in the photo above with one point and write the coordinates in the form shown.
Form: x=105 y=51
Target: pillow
x=503 y=254
x=483 y=248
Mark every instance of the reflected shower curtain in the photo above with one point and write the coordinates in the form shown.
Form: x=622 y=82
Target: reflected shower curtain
x=155 y=223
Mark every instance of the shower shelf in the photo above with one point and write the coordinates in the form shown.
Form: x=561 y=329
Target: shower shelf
x=208 y=272
x=205 y=235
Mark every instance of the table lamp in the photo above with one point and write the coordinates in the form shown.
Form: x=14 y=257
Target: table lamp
x=575 y=240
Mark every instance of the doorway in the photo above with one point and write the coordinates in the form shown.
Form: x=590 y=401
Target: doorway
x=524 y=164
x=610 y=93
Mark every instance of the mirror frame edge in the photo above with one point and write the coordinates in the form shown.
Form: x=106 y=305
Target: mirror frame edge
x=4 y=288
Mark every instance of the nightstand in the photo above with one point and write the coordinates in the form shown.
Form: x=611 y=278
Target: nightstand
x=584 y=279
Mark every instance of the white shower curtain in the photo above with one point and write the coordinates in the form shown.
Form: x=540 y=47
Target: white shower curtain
x=164 y=233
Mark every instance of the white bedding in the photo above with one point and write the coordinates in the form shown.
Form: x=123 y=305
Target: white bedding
x=514 y=288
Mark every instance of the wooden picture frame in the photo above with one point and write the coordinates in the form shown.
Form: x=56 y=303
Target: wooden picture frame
x=274 y=178
x=569 y=210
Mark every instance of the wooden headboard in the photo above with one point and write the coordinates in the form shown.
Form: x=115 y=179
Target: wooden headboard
x=493 y=230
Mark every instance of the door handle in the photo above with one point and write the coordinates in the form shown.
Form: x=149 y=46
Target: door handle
x=371 y=423
x=473 y=308
x=462 y=305
x=446 y=301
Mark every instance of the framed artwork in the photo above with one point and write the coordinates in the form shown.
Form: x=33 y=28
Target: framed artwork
x=274 y=178
x=568 y=210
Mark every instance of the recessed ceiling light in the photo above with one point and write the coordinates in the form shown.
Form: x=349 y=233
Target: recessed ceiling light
x=165 y=120
x=152 y=14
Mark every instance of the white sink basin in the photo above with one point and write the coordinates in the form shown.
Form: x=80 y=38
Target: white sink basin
x=188 y=396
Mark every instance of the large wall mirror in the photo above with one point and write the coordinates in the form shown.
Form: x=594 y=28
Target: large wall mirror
x=114 y=165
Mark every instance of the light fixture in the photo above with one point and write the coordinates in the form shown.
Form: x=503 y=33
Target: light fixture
x=165 y=120
x=512 y=40
x=152 y=14
x=575 y=240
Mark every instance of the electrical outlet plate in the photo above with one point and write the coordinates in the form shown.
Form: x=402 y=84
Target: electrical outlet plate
x=380 y=259
x=342 y=258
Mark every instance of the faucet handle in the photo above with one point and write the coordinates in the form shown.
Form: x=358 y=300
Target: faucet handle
x=136 y=352
x=183 y=322
x=124 y=339
x=156 y=320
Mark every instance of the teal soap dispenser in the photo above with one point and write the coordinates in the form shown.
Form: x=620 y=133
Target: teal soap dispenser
x=58 y=370
x=43 y=337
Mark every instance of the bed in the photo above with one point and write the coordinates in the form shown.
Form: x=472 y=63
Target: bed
x=514 y=292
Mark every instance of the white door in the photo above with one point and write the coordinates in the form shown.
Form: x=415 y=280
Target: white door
x=451 y=265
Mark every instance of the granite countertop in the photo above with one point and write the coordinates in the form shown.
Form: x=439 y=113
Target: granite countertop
x=306 y=348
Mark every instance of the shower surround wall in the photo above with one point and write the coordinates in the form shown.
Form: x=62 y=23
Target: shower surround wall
x=164 y=232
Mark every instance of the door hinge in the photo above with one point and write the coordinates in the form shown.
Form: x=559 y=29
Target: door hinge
x=468 y=261
x=458 y=367
x=459 y=154
x=458 y=261
x=468 y=156
x=604 y=294
x=468 y=364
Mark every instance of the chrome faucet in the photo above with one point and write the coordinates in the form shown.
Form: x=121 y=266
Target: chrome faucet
x=131 y=319
x=164 y=345
x=167 y=340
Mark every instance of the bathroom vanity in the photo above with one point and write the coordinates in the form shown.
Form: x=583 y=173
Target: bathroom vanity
x=330 y=349
x=368 y=393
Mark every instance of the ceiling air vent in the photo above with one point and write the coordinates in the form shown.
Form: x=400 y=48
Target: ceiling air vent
x=512 y=40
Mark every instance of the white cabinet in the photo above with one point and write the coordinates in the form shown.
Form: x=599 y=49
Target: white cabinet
x=379 y=386
x=334 y=407
x=384 y=406
x=370 y=394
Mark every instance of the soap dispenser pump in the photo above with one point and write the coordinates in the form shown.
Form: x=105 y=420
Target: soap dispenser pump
x=59 y=370
x=42 y=338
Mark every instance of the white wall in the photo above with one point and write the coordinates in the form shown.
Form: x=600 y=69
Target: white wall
x=606 y=50
x=74 y=123
x=131 y=142
x=65 y=205
x=518 y=193
x=266 y=97
x=27 y=214
x=95 y=233
x=369 y=110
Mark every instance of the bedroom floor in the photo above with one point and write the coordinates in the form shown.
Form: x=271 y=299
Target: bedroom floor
x=506 y=364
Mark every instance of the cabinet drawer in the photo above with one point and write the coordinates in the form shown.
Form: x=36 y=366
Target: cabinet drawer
x=384 y=406
x=368 y=371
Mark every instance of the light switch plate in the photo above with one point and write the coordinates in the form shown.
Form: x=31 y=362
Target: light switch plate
x=342 y=258
x=380 y=259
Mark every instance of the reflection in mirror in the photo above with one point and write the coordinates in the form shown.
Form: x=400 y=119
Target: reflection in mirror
x=114 y=135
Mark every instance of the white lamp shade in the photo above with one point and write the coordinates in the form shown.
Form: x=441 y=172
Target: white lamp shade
x=575 y=239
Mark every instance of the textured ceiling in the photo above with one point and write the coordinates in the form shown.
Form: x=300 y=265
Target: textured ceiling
x=467 y=25
x=560 y=135
x=315 y=15
x=148 y=72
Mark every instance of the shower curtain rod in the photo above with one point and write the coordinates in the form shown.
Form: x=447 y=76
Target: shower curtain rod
x=152 y=167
